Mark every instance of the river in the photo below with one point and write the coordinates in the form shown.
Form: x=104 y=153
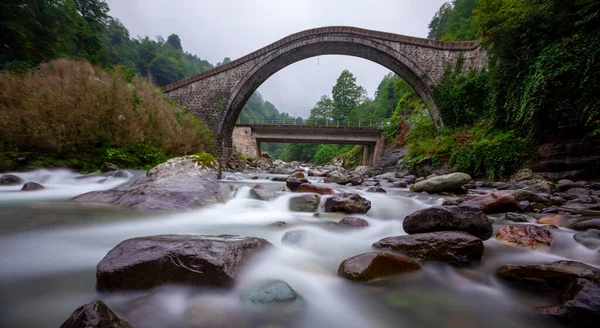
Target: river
x=49 y=250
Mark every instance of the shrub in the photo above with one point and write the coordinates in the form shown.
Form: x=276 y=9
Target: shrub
x=71 y=109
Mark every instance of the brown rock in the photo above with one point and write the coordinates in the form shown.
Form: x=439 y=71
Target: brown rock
x=354 y=222
x=32 y=186
x=588 y=224
x=307 y=187
x=94 y=315
x=496 y=202
x=370 y=266
x=453 y=247
x=557 y=274
x=553 y=219
x=294 y=183
x=299 y=175
x=146 y=262
x=466 y=218
x=347 y=203
x=526 y=236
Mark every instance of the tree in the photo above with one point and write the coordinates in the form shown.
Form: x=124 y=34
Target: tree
x=174 y=41
x=439 y=21
x=347 y=96
x=322 y=111
x=454 y=21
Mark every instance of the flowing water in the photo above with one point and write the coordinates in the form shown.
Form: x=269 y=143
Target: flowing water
x=49 y=250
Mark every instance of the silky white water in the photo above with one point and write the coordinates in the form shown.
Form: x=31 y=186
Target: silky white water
x=49 y=250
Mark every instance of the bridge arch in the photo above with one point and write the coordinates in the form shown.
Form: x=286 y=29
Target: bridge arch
x=217 y=96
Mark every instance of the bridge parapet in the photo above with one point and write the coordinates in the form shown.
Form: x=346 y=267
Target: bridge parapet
x=309 y=123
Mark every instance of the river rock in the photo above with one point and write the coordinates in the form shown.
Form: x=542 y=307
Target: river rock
x=588 y=224
x=213 y=261
x=523 y=174
x=304 y=203
x=10 y=180
x=375 y=189
x=298 y=174
x=308 y=187
x=447 y=182
x=362 y=171
x=496 y=202
x=272 y=291
x=530 y=196
x=337 y=177
x=94 y=315
x=579 y=192
x=453 y=247
x=555 y=219
x=355 y=180
x=566 y=185
x=294 y=237
x=32 y=186
x=400 y=184
x=317 y=173
x=556 y=275
x=180 y=183
x=353 y=222
x=526 y=236
x=370 y=266
x=466 y=218
x=279 y=179
x=517 y=217
x=294 y=183
x=579 y=305
x=347 y=203
x=260 y=192
x=589 y=238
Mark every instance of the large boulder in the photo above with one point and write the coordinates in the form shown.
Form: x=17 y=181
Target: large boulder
x=496 y=202
x=453 y=247
x=347 y=203
x=579 y=305
x=362 y=171
x=389 y=161
x=181 y=183
x=525 y=236
x=465 y=218
x=94 y=315
x=304 y=203
x=146 y=262
x=10 y=180
x=447 y=182
x=370 y=266
x=260 y=192
x=337 y=177
x=294 y=183
x=308 y=187
x=557 y=274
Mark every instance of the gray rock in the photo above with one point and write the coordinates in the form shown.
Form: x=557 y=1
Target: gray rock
x=94 y=315
x=260 y=192
x=32 y=186
x=212 y=261
x=410 y=179
x=579 y=305
x=362 y=171
x=107 y=167
x=589 y=238
x=388 y=175
x=337 y=177
x=294 y=237
x=375 y=189
x=453 y=247
x=400 y=184
x=579 y=191
x=304 y=203
x=347 y=203
x=179 y=184
x=517 y=217
x=523 y=174
x=587 y=224
x=269 y=292
x=389 y=161
x=531 y=197
x=10 y=180
x=448 y=182
x=465 y=218
x=356 y=180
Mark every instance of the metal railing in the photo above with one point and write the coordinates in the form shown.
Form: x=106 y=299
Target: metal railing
x=324 y=123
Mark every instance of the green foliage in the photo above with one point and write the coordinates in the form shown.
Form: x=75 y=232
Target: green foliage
x=462 y=98
x=206 y=159
x=138 y=155
x=347 y=96
x=454 y=21
x=322 y=112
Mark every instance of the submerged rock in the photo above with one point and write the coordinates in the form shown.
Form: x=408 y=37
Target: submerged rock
x=579 y=305
x=94 y=315
x=589 y=239
x=557 y=274
x=146 y=262
x=447 y=182
x=526 y=236
x=273 y=291
x=10 y=180
x=307 y=187
x=496 y=202
x=260 y=192
x=353 y=222
x=294 y=237
x=304 y=203
x=32 y=186
x=453 y=247
x=347 y=203
x=470 y=219
x=370 y=266
x=180 y=183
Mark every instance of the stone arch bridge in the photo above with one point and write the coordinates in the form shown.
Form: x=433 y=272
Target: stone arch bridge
x=217 y=96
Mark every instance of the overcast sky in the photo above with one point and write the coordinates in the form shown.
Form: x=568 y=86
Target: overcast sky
x=214 y=29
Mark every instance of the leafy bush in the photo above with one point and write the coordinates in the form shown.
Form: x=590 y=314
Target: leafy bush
x=71 y=109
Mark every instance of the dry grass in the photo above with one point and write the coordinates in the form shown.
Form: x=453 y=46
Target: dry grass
x=69 y=108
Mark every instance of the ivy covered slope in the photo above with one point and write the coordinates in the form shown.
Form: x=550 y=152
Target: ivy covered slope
x=541 y=85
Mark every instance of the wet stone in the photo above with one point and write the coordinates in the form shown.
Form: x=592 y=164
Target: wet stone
x=579 y=305
x=261 y=193
x=273 y=291
x=10 y=180
x=294 y=237
x=307 y=187
x=94 y=315
x=587 y=224
x=589 y=238
x=466 y=218
x=496 y=202
x=370 y=266
x=353 y=222
x=517 y=217
x=304 y=203
x=375 y=189
x=557 y=274
x=32 y=186
x=526 y=236
x=293 y=183
x=347 y=203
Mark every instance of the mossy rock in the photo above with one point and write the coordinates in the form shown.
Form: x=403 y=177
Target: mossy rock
x=204 y=159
